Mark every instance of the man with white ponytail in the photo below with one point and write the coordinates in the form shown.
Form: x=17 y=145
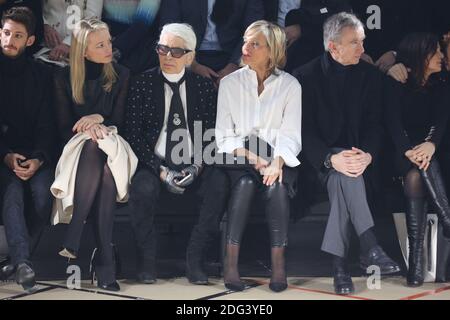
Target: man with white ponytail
x=164 y=106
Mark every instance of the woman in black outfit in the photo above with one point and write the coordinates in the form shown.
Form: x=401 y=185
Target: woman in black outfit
x=417 y=117
x=90 y=96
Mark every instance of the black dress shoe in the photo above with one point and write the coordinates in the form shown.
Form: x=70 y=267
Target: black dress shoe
x=235 y=286
x=25 y=276
x=146 y=277
x=110 y=286
x=376 y=256
x=343 y=284
x=278 y=286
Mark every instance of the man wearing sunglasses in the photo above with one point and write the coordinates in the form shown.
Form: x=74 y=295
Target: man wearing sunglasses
x=165 y=105
x=219 y=26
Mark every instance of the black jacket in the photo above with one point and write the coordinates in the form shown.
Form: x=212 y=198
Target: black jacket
x=230 y=32
x=415 y=116
x=323 y=119
x=146 y=109
x=26 y=114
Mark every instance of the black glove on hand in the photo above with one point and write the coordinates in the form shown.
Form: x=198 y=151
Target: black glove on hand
x=171 y=181
x=193 y=171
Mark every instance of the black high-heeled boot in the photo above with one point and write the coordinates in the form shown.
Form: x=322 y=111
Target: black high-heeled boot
x=93 y=269
x=416 y=212
x=436 y=188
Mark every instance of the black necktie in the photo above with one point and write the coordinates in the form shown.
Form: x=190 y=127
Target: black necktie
x=175 y=122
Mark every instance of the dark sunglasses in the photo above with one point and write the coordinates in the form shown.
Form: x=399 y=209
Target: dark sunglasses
x=174 y=52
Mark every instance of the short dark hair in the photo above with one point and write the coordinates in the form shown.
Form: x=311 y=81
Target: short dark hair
x=21 y=15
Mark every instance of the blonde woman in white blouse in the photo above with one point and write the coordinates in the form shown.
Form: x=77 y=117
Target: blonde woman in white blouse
x=260 y=101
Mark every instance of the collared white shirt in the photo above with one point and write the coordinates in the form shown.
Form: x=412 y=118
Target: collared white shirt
x=160 y=148
x=62 y=15
x=274 y=116
x=284 y=7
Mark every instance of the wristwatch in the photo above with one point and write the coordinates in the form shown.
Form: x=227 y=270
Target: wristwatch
x=327 y=163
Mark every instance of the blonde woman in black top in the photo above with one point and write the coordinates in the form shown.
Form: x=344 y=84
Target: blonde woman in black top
x=90 y=96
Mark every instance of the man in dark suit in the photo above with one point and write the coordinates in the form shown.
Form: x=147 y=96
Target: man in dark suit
x=166 y=108
x=342 y=133
x=26 y=143
x=219 y=26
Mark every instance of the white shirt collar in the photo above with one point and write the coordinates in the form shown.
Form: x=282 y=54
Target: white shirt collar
x=175 y=77
x=252 y=73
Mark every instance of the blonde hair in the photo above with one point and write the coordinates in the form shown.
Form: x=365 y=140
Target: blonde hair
x=78 y=48
x=276 y=42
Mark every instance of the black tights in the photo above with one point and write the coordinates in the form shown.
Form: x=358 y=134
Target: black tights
x=413 y=185
x=94 y=189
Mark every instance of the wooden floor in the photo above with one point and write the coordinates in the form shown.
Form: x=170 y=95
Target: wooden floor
x=392 y=288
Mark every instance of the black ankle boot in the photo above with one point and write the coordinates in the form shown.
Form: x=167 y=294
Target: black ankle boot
x=436 y=188
x=416 y=224
x=94 y=271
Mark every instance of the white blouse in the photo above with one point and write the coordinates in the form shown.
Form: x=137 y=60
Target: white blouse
x=274 y=116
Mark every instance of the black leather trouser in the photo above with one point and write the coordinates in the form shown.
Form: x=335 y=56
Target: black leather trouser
x=276 y=205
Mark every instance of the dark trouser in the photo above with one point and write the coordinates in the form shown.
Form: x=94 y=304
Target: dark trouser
x=20 y=238
x=145 y=193
x=276 y=204
x=348 y=207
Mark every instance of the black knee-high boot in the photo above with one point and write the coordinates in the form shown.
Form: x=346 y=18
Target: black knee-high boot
x=436 y=189
x=416 y=212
